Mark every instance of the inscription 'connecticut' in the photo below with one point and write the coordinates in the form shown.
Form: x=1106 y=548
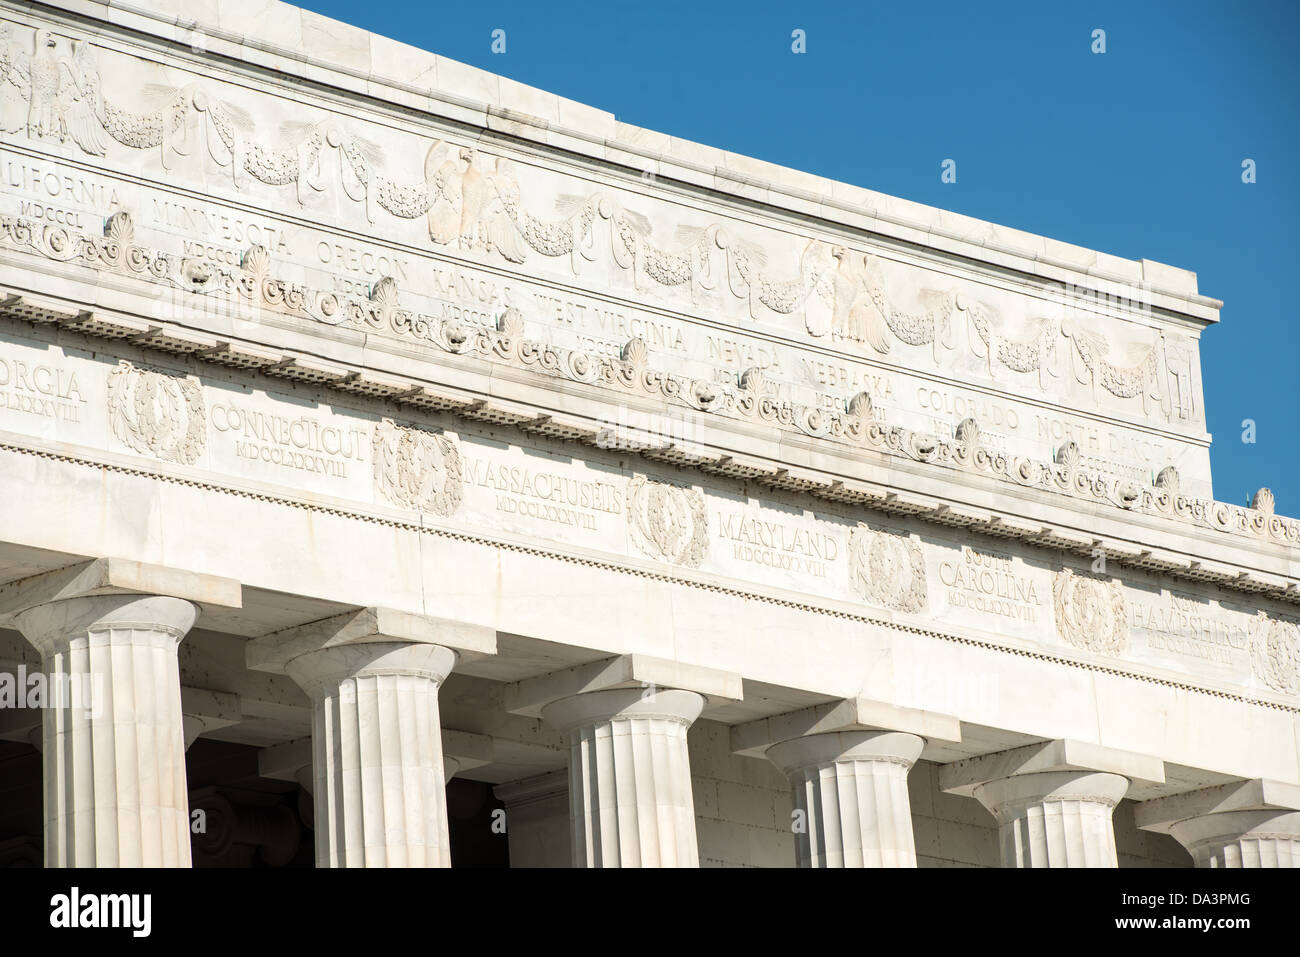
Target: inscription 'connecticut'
x=296 y=443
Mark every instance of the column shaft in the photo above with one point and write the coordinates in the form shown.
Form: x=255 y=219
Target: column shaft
x=629 y=777
x=850 y=788
x=377 y=753
x=1257 y=838
x=113 y=746
x=1055 y=818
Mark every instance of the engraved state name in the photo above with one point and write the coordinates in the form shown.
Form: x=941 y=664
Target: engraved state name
x=543 y=495
x=990 y=584
x=778 y=545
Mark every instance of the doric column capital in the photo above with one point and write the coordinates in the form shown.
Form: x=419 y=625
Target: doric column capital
x=850 y=797
x=1008 y=798
x=755 y=738
x=378 y=770
x=53 y=627
x=1053 y=800
x=319 y=673
x=463 y=751
x=1241 y=824
x=601 y=707
x=115 y=626
x=630 y=798
x=963 y=777
x=203 y=710
x=820 y=750
x=115 y=578
x=640 y=673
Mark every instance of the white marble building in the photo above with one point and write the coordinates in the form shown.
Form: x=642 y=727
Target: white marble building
x=395 y=455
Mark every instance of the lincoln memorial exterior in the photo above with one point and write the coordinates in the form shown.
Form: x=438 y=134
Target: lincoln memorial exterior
x=402 y=466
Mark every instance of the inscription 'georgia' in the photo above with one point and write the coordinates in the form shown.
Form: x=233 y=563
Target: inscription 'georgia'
x=40 y=390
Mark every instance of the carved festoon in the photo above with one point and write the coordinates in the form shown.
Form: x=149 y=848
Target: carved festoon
x=1090 y=612
x=417 y=469
x=887 y=569
x=667 y=522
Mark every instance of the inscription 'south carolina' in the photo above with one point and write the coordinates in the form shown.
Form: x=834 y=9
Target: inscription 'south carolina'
x=990 y=584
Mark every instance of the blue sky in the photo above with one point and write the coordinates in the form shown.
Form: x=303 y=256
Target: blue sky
x=1136 y=152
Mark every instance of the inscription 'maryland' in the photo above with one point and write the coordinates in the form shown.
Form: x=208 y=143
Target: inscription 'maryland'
x=778 y=545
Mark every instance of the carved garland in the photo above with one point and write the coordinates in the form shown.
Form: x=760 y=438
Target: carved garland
x=417 y=469
x=667 y=522
x=887 y=569
x=1275 y=653
x=855 y=423
x=157 y=413
x=473 y=199
x=1090 y=612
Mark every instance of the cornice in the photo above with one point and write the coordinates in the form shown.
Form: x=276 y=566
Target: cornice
x=854 y=429
x=512 y=116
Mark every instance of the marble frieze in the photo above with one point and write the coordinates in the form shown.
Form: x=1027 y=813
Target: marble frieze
x=236 y=432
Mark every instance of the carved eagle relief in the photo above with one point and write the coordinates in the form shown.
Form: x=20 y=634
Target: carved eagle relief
x=49 y=96
x=473 y=200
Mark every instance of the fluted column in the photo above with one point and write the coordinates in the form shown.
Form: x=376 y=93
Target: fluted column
x=1252 y=823
x=1055 y=818
x=115 y=793
x=852 y=789
x=1242 y=839
x=377 y=753
x=1053 y=800
x=630 y=795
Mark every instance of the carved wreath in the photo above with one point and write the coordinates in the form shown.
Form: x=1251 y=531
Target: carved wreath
x=667 y=522
x=417 y=469
x=1090 y=613
x=1275 y=654
x=887 y=569
x=157 y=414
